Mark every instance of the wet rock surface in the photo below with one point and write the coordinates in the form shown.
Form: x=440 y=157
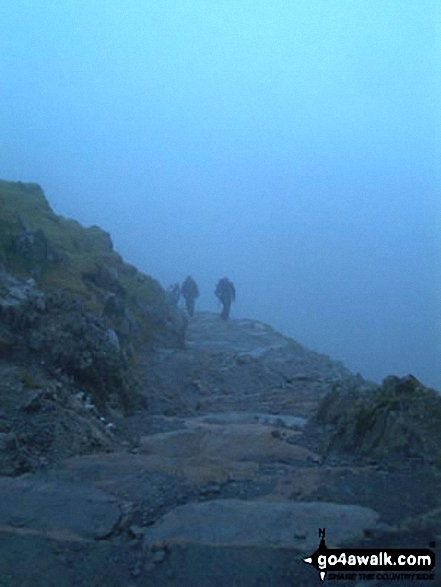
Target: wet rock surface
x=222 y=479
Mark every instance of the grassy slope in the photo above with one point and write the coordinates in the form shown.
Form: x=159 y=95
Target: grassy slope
x=78 y=252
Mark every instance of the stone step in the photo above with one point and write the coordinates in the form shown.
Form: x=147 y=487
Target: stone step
x=58 y=508
x=234 y=522
x=247 y=544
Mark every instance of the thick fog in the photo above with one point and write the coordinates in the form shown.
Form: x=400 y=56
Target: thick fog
x=291 y=145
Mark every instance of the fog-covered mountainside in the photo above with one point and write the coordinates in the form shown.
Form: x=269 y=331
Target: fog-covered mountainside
x=137 y=444
x=73 y=316
x=60 y=254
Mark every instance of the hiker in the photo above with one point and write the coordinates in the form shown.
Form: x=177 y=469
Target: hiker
x=190 y=292
x=226 y=294
x=173 y=294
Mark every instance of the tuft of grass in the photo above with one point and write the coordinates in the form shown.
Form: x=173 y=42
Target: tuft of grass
x=28 y=381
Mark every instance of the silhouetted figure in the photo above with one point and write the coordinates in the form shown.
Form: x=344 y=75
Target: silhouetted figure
x=173 y=294
x=226 y=294
x=190 y=292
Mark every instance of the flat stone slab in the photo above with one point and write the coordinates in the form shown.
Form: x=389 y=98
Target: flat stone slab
x=277 y=420
x=233 y=522
x=232 y=442
x=54 y=506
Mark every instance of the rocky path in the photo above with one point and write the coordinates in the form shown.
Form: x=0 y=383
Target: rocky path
x=221 y=482
x=239 y=365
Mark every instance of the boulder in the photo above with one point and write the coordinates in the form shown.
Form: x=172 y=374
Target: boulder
x=399 y=422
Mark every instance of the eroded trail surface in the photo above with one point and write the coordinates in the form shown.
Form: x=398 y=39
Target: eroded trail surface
x=241 y=365
x=218 y=483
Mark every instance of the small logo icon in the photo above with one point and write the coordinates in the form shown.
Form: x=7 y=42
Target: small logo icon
x=315 y=558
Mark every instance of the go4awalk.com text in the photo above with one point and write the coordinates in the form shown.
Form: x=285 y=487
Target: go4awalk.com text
x=372 y=564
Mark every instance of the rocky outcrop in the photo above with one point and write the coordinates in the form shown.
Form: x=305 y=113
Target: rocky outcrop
x=73 y=316
x=59 y=333
x=398 y=422
x=46 y=418
x=60 y=254
x=62 y=371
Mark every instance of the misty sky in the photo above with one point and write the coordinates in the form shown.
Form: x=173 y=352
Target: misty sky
x=292 y=145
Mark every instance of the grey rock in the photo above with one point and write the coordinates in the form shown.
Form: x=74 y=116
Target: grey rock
x=57 y=506
x=113 y=340
x=7 y=441
x=159 y=556
x=136 y=531
x=35 y=402
x=244 y=523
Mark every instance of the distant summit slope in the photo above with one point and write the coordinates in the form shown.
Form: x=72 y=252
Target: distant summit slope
x=60 y=254
x=241 y=365
x=252 y=338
